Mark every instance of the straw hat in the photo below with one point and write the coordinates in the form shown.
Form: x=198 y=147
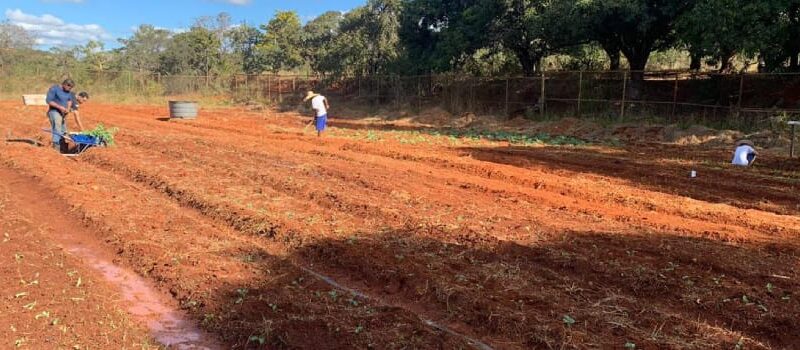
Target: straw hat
x=744 y=142
x=310 y=95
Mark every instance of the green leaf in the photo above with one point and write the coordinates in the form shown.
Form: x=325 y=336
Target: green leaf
x=568 y=320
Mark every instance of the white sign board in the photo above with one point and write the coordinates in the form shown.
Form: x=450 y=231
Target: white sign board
x=34 y=100
x=794 y=122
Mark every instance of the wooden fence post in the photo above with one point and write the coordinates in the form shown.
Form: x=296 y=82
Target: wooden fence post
x=269 y=88
x=280 y=88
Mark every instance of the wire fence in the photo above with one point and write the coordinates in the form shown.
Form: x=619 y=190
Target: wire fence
x=743 y=101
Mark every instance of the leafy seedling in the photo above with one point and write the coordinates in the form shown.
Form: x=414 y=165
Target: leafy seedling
x=630 y=345
x=102 y=133
x=257 y=339
x=242 y=292
x=568 y=320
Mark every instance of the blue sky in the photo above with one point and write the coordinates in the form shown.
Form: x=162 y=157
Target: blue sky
x=70 y=22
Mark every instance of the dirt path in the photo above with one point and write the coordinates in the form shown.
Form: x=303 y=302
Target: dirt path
x=362 y=239
x=50 y=296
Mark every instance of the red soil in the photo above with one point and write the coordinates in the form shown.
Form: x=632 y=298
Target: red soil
x=236 y=213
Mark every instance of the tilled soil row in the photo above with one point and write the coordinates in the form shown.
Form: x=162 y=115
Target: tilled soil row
x=232 y=284
x=340 y=257
x=512 y=294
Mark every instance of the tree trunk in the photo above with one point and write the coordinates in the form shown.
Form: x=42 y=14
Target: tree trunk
x=637 y=61
x=725 y=63
x=528 y=63
x=613 y=53
x=696 y=62
x=613 y=58
x=794 y=63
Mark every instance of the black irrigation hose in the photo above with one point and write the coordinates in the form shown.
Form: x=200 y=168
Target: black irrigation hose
x=28 y=141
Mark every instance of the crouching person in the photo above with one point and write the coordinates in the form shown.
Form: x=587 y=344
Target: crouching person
x=745 y=153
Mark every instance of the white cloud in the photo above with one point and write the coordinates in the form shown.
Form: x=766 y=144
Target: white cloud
x=50 y=30
x=237 y=2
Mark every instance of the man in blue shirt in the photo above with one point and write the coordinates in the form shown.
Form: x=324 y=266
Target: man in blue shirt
x=60 y=100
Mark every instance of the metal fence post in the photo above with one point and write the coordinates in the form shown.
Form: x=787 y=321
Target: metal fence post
x=580 y=91
x=419 y=92
x=398 y=83
x=543 y=95
x=741 y=92
x=624 y=92
x=791 y=146
x=507 y=111
x=675 y=96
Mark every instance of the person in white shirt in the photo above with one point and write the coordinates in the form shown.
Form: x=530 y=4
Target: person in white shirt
x=320 y=106
x=745 y=153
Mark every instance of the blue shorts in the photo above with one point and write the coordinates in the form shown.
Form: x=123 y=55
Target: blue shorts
x=321 y=122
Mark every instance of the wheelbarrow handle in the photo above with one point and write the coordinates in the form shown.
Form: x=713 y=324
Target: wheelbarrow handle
x=64 y=135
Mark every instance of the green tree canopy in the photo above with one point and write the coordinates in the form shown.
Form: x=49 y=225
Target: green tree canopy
x=142 y=51
x=280 y=46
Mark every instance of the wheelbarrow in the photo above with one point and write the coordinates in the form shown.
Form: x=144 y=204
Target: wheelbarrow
x=83 y=142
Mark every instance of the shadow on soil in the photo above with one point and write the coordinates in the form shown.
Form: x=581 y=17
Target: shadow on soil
x=564 y=291
x=761 y=187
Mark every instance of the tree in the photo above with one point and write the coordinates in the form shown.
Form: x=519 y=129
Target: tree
x=244 y=40
x=736 y=27
x=142 y=51
x=93 y=55
x=195 y=52
x=453 y=31
x=441 y=35
x=368 y=41
x=634 y=27
x=784 y=34
x=533 y=29
x=319 y=37
x=281 y=43
x=13 y=38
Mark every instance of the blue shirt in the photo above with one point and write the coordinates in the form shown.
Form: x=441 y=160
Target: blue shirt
x=58 y=95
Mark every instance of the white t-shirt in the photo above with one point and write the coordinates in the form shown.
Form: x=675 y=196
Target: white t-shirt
x=740 y=156
x=318 y=104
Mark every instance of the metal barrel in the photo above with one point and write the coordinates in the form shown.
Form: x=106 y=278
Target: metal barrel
x=183 y=109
